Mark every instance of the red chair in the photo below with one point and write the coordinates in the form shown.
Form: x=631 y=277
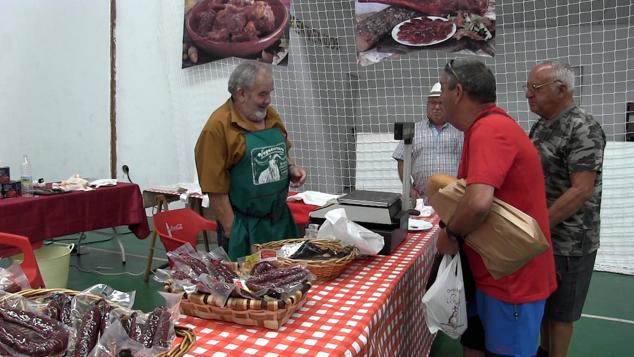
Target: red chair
x=29 y=265
x=180 y=226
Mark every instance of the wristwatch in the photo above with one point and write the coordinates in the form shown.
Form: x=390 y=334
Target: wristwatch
x=451 y=234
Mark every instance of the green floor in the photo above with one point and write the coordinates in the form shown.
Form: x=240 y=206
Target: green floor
x=610 y=296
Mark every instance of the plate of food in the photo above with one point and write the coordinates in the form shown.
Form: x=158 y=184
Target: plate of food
x=424 y=31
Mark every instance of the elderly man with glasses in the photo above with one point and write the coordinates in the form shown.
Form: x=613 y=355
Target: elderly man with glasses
x=498 y=161
x=571 y=145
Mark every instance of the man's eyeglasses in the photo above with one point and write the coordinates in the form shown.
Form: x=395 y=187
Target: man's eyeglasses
x=534 y=87
x=449 y=66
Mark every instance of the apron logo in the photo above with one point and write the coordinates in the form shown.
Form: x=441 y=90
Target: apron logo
x=269 y=164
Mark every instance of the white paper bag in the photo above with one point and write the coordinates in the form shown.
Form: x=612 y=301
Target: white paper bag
x=445 y=305
x=338 y=225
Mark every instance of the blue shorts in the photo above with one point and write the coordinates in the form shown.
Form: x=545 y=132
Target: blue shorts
x=509 y=329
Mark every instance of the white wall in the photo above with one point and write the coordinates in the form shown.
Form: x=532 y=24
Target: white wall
x=54 y=83
x=160 y=107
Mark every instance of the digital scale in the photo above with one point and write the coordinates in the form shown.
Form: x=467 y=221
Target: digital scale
x=385 y=213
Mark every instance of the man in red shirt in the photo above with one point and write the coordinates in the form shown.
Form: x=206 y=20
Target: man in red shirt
x=498 y=161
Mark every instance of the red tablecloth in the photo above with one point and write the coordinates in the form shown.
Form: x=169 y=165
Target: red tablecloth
x=374 y=308
x=300 y=212
x=44 y=217
x=299 y=209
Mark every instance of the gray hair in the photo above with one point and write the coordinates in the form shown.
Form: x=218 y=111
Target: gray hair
x=476 y=79
x=562 y=72
x=245 y=74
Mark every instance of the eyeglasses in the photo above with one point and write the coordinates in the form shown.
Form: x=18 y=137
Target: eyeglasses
x=453 y=72
x=534 y=87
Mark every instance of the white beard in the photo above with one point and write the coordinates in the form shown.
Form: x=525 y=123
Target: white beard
x=258 y=116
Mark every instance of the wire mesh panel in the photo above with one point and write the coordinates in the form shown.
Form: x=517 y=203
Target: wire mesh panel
x=325 y=97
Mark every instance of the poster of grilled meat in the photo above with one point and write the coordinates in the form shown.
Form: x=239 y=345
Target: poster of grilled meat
x=390 y=28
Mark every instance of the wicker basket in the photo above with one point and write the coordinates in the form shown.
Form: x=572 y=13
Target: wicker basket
x=270 y=314
x=324 y=269
x=187 y=335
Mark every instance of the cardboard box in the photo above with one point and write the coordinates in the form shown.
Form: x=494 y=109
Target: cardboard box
x=5 y=174
x=10 y=189
x=506 y=240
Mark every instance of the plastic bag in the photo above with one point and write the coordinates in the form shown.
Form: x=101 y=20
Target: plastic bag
x=338 y=225
x=445 y=305
x=12 y=279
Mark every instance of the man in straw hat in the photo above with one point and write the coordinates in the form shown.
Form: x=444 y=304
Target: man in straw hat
x=436 y=148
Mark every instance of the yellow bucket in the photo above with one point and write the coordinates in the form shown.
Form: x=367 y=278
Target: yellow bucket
x=53 y=261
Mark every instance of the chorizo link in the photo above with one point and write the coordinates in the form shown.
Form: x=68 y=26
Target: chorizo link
x=88 y=332
x=222 y=271
x=274 y=275
x=42 y=325
x=263 y=267
x=104 y=308
x=161 y=335
x=26 y=340
x=149 y=329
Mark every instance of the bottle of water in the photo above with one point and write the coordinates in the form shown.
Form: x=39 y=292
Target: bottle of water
x=26 y=178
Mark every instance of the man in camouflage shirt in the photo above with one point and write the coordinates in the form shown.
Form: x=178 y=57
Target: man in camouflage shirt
x=571 y=144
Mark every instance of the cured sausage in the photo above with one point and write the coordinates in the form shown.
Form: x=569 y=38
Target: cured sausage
x=149 y=329
x=221 y=271
x=88 y=332
x=161 y=336
x=263 y=267
x=30 y=334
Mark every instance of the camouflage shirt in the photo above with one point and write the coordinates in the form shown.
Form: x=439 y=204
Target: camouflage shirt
x=572 y=142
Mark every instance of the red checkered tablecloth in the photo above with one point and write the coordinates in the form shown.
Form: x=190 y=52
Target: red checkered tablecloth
x=374 y=308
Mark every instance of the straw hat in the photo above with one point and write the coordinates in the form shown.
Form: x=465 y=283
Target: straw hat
x=435 y=90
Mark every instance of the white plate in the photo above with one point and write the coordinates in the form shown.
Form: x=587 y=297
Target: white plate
x=397 y=28
x=418 y=225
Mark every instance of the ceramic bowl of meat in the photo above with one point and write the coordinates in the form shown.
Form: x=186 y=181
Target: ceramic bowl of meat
x=239 y=28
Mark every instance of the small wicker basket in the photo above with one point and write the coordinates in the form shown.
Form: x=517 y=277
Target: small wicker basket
x=187 y=335
x=323 y=269
x=270 y=314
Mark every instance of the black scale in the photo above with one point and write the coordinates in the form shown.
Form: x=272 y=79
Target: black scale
x=382 y=212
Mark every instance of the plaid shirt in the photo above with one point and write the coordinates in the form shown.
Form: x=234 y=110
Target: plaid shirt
x=433 y=151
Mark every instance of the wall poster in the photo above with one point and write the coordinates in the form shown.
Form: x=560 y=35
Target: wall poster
x=391 y=28
x=252 y=29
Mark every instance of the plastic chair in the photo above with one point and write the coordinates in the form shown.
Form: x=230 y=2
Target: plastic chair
x=29 y=265
x=180 y=226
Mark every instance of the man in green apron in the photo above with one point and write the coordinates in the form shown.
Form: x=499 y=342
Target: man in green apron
x=243 y=164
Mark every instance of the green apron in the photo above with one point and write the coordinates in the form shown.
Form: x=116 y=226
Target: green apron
x=259 y=186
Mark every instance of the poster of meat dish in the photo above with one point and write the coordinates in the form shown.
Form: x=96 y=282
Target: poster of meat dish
x=391 y=28
x=252 y=29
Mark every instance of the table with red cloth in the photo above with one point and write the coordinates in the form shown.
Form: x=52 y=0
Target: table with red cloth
x=45 y=217
x=299 y=209
x=374 y=308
